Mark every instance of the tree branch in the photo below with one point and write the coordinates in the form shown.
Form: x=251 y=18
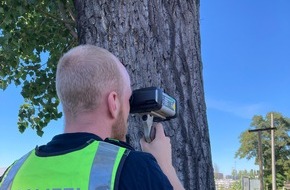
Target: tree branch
x=66 y=22
x=71 y=14
x=54 y=17
x=63 y=16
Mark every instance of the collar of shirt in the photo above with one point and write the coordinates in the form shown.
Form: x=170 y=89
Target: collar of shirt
x=68 y=142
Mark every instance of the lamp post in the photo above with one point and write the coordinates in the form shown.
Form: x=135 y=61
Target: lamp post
x=260 y=153
x=273 y=154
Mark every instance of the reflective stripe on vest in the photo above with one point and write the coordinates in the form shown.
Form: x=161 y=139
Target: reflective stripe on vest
x=8 y=178
x=92 y=167
x=105 y=165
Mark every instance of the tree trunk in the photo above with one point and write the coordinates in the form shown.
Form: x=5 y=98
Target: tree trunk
x=159 y=43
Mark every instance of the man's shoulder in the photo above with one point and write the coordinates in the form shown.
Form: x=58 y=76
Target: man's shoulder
x=141 y=157
x=141 y=171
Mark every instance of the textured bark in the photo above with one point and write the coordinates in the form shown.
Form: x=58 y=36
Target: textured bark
x=159 y=43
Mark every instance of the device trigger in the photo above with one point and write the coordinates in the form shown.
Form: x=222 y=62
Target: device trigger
x=149 y=134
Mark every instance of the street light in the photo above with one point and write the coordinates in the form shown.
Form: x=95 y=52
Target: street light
x=260 y=154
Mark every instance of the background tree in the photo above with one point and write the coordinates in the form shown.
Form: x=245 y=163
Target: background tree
x=158 y=42
x=249 y=146
x=33 y=35
x=237 y=185
x=235 y=174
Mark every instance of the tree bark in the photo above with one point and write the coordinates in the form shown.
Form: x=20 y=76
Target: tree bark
x=158 y=41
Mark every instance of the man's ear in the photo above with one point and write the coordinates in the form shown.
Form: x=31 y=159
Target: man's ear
x=113 y=104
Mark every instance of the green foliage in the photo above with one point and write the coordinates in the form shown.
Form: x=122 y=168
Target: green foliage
x=237 y=185
x=249 y=146
x=31 y=31
x=238 y=175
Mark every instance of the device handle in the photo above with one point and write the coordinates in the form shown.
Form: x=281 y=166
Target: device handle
x=149 y=130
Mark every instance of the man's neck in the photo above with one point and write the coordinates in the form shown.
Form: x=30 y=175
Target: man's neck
x=88 y=122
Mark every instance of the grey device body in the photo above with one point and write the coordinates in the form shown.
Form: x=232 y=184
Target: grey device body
x=154 y=105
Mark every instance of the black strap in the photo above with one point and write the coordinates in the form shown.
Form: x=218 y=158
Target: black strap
x=120 y=167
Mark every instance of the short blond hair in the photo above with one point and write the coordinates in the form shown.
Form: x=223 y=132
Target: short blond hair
x=83 y=75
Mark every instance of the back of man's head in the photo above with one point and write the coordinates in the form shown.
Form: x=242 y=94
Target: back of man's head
x=84 y=74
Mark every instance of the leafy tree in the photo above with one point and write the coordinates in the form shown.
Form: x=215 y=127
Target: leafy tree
x=235 y=174
x=29 y=32
x=249 y=146
x=158 y=42
x=253 y=174
x=244 y=173
x=237 y=185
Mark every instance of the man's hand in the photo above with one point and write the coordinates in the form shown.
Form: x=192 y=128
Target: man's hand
x=160 y=148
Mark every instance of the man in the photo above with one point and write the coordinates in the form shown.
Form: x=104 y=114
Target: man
x=94 y=89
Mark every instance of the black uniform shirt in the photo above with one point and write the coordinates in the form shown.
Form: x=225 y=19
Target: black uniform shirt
x=140 y=170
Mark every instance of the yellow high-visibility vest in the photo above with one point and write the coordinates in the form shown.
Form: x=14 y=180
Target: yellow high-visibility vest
x=92 y=167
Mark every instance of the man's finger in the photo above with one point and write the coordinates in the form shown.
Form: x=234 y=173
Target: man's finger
x=159 y=130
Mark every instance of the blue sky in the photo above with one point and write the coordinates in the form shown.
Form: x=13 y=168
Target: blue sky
x=246 y=64
x=246 y=61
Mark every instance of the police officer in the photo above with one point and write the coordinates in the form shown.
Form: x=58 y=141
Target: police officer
x=94 y=89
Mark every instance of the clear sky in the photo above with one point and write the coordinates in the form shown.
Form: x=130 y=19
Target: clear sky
x=246 y=66
x=246 y=61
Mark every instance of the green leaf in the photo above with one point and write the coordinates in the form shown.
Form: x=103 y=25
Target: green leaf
x=249 y=144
